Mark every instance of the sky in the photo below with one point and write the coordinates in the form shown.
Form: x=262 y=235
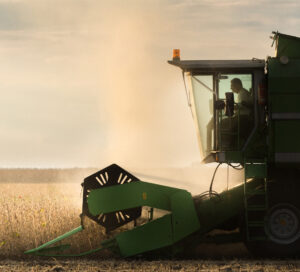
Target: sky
x=86 y=82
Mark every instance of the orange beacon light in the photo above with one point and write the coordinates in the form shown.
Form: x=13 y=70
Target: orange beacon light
x=176 y=54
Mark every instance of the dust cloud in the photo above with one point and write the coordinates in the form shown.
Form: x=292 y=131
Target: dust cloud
x=89 y=85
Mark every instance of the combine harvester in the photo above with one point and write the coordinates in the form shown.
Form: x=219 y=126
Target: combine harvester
x=258 y=131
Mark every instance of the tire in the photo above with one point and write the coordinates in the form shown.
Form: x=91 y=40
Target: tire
x=282 y=224
x=282 y=229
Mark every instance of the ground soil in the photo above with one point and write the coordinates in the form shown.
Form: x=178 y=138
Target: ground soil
x=225 y=265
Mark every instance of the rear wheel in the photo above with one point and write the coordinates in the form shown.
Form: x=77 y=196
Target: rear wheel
x=281 y=223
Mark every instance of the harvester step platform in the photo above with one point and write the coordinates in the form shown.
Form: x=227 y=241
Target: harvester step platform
x=255 y=192
x=258 y=238
x=255 y=170
x=228 y=133
x=256 y=224
x=257 y=208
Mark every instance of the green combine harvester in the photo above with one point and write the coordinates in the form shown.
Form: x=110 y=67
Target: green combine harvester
x=254 y=127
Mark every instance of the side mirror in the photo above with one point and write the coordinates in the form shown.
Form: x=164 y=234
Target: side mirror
x=229 y=108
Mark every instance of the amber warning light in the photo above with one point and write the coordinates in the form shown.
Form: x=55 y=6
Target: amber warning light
x=176 y=54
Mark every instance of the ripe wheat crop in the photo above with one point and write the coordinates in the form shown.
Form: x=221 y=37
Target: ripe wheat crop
x=32 y=214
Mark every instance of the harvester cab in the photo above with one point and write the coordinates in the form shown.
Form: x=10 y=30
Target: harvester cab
x=227 y=104
x=247 y=115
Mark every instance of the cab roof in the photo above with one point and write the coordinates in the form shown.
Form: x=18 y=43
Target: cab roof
x=217 y=65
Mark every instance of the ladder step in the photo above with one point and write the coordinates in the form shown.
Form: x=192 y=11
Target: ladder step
x=258 y=238
x=260 y=161
x=256 y=208
x=256 y=192
x=228 y=133
x=256 y=224
x=255 y=170
x=255 y=175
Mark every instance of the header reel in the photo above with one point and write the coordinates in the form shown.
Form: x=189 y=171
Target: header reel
x=109 y=176
x=113 y=206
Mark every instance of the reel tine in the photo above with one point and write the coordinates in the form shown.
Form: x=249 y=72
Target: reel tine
x=110 y=176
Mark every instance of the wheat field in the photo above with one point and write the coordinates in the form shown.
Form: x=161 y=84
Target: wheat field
x=37 y=212
x=33 y=214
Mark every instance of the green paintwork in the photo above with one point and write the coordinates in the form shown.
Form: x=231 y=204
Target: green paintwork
x=139 y=194
x=187 y=216
x=183 y=221
x=287 y=135
x=284 y=100
x=283 y=103
x=214 y=211
x=283 y=78
x=45 y=248
x=255 y=170
x=153 y=235
x=184 y=216
x=287 y=45
x=233 y=156
x=162 y=232
x=59 y=238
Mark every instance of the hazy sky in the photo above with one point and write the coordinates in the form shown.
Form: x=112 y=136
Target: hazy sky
x=86 y=82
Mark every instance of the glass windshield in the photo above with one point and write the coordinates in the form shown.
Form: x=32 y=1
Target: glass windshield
x=234 y=129
x=201 y=92
x=225 y=84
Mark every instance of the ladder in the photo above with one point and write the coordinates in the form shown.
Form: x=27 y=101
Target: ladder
x=255 y=200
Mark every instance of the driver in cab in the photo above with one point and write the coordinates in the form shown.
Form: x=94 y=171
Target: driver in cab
x=242 y=116
x=244 y=98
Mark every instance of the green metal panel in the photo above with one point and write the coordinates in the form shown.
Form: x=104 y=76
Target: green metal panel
x=153 y=235
x=45 y=249
x=277 y=69
x=284 y=103
x=287 y=45
x=59 y=238
x=283 y=78
x=255 y=170
x=128 y=196
x=287 y=135
x=215 y=211
x=232 y=156
x=183 y=215
x=158 y=233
